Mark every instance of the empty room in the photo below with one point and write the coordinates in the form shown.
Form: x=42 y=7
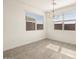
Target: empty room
x=39 y=29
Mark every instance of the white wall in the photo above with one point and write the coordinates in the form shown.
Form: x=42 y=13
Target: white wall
x=15 y=33
x=60 y=35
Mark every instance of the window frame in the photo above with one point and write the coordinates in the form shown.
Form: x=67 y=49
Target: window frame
x=63 y=22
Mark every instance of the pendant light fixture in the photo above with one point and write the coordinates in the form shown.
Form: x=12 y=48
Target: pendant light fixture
x=54 y=3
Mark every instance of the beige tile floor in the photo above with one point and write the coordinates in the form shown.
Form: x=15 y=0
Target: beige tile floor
x=38 y=50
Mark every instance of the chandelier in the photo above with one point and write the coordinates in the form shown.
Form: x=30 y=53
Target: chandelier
x=54 y=3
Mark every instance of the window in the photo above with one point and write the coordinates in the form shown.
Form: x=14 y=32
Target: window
x=39 y=26
x=58 y=22
x=30 y=23
x=58 y=26
x=30 y=26
x=33 y=21
x=65 y=21
x=69 y=26
x=69 y=20
x=39 y=22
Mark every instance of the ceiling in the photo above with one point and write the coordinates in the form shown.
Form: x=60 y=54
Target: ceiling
x=46 y=5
